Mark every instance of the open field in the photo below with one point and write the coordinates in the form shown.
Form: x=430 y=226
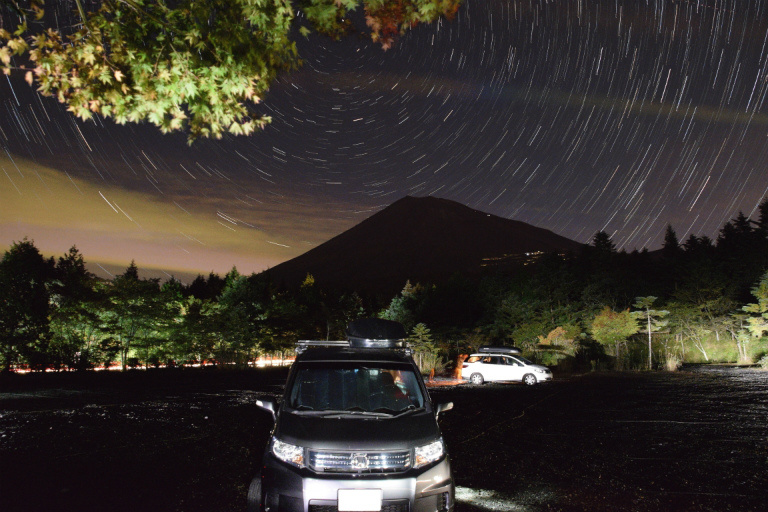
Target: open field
x=190 y=440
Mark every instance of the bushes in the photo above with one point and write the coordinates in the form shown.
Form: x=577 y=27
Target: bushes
x=673 y=363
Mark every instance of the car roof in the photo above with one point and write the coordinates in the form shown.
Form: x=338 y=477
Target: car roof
x=486 y=354
x=354 y=354
x=501 y=349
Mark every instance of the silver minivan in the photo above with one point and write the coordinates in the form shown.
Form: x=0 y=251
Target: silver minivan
x=493 y=364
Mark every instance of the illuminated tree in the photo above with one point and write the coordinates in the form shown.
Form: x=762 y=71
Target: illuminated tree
x=188 y=64
x=402 y=307
x=652 y=319
x=613 y=328
x=133 y=314
x=526 y=335
x=758 y=320
x=256 y=318
x=424 y=350
x=160 y=346
x=691 y=324
x=282 y=323
x=196 y=337
x=243 y=309
x=74 y=319
x=562 y=338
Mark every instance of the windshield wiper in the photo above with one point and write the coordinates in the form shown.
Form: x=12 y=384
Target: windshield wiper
x=327 y=413
x=359 y=411
x=409 y=410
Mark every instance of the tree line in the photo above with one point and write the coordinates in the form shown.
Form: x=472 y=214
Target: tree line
x=695 y=300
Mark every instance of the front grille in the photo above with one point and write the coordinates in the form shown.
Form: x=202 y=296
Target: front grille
x=386 y=506
x=359 y=462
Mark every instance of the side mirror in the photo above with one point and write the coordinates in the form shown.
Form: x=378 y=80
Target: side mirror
x=268 y=405
x=443 y=408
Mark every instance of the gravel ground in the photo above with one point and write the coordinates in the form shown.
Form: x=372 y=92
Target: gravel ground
x=190 y=440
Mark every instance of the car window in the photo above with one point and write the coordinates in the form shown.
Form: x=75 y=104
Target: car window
x=474 y=359
x=510 y=362
x=351 y=386
x=521 y=361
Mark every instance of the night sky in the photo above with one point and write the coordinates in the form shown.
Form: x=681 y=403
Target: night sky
x=575 y=116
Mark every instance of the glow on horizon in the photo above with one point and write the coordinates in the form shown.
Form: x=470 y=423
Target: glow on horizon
x=112 y=226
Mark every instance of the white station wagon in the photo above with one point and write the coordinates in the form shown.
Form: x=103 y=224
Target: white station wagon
x=493 y=364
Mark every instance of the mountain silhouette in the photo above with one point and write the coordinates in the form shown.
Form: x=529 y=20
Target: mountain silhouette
x=421 y=239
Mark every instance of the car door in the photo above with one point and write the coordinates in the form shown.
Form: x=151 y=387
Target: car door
x=512 y=369
x=489 y=367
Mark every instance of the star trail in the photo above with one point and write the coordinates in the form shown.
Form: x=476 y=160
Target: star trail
x=573 y=115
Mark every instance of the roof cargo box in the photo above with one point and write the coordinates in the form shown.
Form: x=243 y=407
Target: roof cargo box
x=499 y=350
x=376 y=333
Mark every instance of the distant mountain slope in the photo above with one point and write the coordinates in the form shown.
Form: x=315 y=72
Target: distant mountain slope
x=418 y=239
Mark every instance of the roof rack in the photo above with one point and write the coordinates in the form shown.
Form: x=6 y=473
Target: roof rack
x=366 y=333
x=499 y=350
x=303 y=345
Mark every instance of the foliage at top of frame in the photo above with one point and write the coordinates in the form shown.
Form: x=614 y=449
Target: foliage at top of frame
x=193 y=65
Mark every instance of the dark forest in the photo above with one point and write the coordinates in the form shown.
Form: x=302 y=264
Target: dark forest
x=697 y=300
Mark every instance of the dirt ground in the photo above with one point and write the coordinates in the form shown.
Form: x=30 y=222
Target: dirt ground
x=187 y=440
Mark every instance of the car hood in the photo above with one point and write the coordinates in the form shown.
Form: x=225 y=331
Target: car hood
x=357 y=433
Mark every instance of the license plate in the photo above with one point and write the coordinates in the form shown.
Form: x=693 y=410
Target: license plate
x=359 y=500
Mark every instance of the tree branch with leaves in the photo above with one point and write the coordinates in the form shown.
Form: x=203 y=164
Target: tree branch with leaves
x=193 y=65
x=613 y=328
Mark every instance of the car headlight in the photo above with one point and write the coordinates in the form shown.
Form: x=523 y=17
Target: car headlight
x=289 y=453
x=540 y=370
x=429 y=453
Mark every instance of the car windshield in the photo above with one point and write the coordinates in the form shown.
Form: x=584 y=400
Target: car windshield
x=355 y=387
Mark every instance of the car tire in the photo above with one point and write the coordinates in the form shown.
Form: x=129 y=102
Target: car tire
x=529 y=379
x=254 y=494
x=476 y=378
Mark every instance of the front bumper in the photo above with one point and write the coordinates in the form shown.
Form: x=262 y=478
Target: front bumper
x=288 y=489
x=544 y=377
